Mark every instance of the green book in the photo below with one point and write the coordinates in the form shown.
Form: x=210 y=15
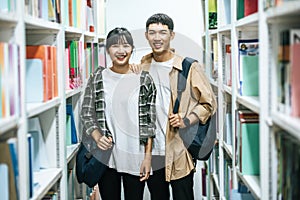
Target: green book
x=250 y=148
x=240 y=9
x=212 y=14
x=250 y=81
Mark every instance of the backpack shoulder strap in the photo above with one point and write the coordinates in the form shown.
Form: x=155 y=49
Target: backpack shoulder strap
x=182 y=77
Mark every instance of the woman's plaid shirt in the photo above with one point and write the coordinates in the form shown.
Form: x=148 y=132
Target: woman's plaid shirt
x=93 y=106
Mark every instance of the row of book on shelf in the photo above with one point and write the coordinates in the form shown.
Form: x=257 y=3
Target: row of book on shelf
x=287 y=62
x=247 y=66
x=288 y=72
x=7 y=5
x=241 y=192
x=273 y=3
x=38 y=154
x=247 y=154
x=244 y=8
x=41 y=72
x=76 y=13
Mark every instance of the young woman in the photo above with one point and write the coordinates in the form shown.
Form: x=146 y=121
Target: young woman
x=118 y=112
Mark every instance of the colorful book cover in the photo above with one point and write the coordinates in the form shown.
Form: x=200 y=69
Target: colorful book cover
x=248 y=67
x=212 y=14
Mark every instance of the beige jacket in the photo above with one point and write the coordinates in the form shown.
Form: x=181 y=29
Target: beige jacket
x=199 y=101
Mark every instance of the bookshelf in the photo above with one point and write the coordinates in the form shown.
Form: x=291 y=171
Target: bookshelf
x=38 y=128
x=275 y=103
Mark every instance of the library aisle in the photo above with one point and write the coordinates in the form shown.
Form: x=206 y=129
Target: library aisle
x=250 y=49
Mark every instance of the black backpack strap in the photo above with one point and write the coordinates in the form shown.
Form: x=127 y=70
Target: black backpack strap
x=182 y=77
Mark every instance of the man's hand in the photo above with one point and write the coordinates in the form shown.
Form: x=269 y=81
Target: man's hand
x=176 y=121
x=135 y=68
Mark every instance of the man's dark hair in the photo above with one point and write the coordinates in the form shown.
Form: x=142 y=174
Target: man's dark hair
x=160 y=18
x=117 y=36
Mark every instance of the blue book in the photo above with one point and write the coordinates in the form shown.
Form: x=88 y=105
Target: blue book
x=235 y=195
x=30 y=155
x=69 y=109
x=34 y=81
x=12 y=143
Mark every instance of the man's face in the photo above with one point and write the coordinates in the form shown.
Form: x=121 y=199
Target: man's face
x=159 y=37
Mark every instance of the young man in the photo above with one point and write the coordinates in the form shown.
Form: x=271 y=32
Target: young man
x=199 y=103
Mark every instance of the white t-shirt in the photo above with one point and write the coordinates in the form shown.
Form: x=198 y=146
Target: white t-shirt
x=160 y=74
x=121 y=98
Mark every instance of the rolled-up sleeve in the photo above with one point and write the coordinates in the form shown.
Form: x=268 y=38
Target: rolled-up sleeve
x=203 y=93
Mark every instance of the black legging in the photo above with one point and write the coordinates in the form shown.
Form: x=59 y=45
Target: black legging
x=110 y=186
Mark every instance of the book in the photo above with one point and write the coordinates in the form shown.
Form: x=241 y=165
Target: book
x=228 y=65
x=4 y=181
x=288 y=86
x=212 y=14
x=295 y=71
x=248 y=67
x=14 y=79
x=34 y=81
x=240 y=9
x=228 y=128
x=250 y=7
x=68 y=130
x=287 y=161
x=53 y=63
x=5 y=88
x=69 y=110
x=42 y=52
x=30 y=168
x=6 y=158
x=13 y=150
x=40 y=158
x=248 y=142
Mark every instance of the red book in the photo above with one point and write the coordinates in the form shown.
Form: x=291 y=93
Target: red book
x=295 y=72
x=54 y=71
x=250 y=7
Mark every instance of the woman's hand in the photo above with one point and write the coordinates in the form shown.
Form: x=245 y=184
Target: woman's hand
x=145 y=168
x=102 y=141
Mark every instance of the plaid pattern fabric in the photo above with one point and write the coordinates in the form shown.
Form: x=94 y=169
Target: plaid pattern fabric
x=93 y=114
x=147 y=109
x=92 y=111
